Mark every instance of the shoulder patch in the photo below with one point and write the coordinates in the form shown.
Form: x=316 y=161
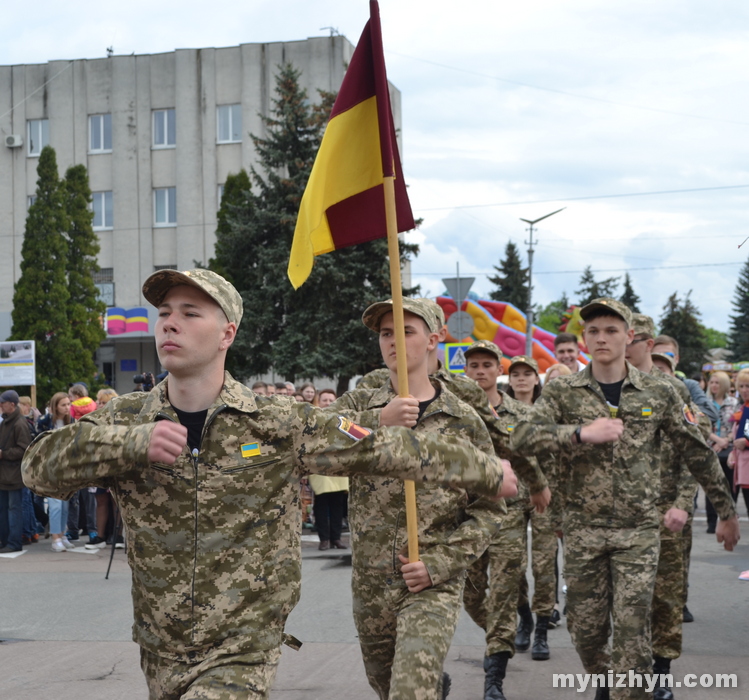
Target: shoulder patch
x=688 y=415
x=647 y=411
x=250 y=449
x=354 y=431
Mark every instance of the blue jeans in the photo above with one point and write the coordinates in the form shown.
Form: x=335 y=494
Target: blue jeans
x=30 y=525
x=58 y=516
x=11 y=518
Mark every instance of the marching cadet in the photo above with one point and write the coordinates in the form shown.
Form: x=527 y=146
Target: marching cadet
x=606 y=422
x=406 y=612
x=502 y=567
x=675 y=504
x=206 y=475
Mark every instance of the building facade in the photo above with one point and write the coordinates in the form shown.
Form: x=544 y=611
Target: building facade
x=158 y=134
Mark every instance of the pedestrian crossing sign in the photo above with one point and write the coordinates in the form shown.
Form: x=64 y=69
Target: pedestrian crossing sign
x=455 y=359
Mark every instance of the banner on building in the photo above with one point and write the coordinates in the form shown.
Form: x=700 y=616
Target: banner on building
x=134 y=320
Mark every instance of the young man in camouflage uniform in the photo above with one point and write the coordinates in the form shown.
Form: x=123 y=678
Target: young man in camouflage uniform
x=502 y=567
x=675 y=506
x=406 y=612
x=206 y=475
x=607 y=421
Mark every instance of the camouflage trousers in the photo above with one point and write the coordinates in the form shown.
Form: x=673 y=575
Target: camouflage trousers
x=668 y=596
x=686 y=538
x=543 y=557
x=610 y=574
x=232 y=677
x=404 y=637
x=499 y=570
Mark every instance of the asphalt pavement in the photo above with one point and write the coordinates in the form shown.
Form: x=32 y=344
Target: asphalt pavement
x=65 y=632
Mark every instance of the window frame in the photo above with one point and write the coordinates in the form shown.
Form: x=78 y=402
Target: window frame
x=168 y=223
x=165 y=115
x=231 y=108
x=101 y=128
x=41 y=133
x=106 y=225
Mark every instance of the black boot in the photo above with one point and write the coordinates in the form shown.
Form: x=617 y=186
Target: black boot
x=495 y=667
x=602 y=694
x=662 y=666
x=540 y=651
x=446 y=684
x=525 y=627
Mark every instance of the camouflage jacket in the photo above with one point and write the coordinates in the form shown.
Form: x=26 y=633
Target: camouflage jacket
x=471 y=393
x=455 y=527
x=617 y=484
x=214 y=543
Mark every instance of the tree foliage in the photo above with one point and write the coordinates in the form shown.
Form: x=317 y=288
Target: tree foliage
x=628 y=296
x=681 y=320
x=317 y=330
x=85 y=310
x=738 y=331
x=550 y=317
x=41 y=294
x=590 y=288
x=511 y=280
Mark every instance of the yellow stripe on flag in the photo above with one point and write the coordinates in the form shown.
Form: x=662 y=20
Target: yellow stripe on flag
x=349 y=162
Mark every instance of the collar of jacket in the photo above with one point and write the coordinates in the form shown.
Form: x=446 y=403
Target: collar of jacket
x=585 y=377
x=446 y=401
x=232 y=395
x=511 y=406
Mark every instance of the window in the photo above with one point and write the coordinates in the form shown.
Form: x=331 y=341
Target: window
x=100 y=133
x=105 y=274
x=164 y=128
x=104 y=281
x=220 y=195
x=38 y=135
x=165 y=206
x=102 y=206
x=229 y=123
x=156 y=268
x=30 y=201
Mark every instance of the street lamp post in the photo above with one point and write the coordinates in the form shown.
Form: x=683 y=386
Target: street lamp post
x=529 y=313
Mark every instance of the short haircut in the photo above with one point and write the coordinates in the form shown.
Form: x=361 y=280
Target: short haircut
x=259 y=385
x=327 y=391
x=78 y=390
x=603 y=312
x=667 y=340
x=281 y=385
x=564 y=338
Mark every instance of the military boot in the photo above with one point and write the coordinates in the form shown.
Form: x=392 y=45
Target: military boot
x=602 y=694
x=495 y=667
x=662 y=666
x=446 y=685
x=525 y=627
x=540 y=651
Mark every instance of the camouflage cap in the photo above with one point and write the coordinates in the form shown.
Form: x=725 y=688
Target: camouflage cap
x=643 y=325
x=426 y=309
x=613 y=306
x=665 y=357
x=215 y=286
x=485 y=346
x=523 y=360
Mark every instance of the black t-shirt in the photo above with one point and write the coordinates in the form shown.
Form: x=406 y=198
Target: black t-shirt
x=194 y=423
x=423 y=405
x=612 y=393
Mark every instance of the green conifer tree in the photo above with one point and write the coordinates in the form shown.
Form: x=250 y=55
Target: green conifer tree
x=738 y=332
x=590 y=288
x=41 y=294
x=317 y=330
x=511 y=280
x=681 y=320
x=628 y=296
x=85 y=309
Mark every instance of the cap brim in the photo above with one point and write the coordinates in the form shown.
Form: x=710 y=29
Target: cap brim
x=373 y=315
x=590 y=308
x=157 y=285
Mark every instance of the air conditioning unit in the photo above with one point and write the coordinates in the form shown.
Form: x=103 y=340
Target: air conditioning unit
x=14 y=141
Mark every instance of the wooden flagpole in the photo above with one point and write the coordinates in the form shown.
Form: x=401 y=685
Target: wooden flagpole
x=400 y=349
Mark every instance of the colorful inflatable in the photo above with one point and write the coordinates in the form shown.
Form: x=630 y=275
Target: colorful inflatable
x=505 y=326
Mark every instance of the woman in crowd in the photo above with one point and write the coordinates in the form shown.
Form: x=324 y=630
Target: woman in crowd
x=103 y=397
x=524 y=382
x=57 y=416
x=556 y=371
x=740 y=457
x=309 y=393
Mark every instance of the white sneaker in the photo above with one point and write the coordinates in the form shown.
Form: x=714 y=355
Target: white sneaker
x=59 y=546
x=67 y=543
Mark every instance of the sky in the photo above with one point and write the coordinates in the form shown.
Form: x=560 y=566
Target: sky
x=634 y=116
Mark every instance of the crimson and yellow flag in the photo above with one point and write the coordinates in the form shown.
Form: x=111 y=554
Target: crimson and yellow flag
x=344 y=203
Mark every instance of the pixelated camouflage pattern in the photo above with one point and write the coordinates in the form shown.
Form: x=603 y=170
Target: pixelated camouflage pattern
x=425 y=309
x=455 y=526
x=493 y=583
x=214 y=543
x=214 y=285
x=523 y=360
x=245 y=676
x=404 y=637
x=610 y=574
x=471 y=393
x=643 y=325
x=484 y=346
x=668 y=595
x=617 y=484
x=543 y=551
x=612 y=306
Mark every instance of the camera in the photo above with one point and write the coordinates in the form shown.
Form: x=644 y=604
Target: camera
x=145 y=379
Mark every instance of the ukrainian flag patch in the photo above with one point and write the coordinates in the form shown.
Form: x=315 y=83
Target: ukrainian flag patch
x=250 y=449
x=510 y=428
x=647 y=411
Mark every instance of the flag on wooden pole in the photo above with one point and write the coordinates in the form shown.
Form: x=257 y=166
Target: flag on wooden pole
x=344 y=201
